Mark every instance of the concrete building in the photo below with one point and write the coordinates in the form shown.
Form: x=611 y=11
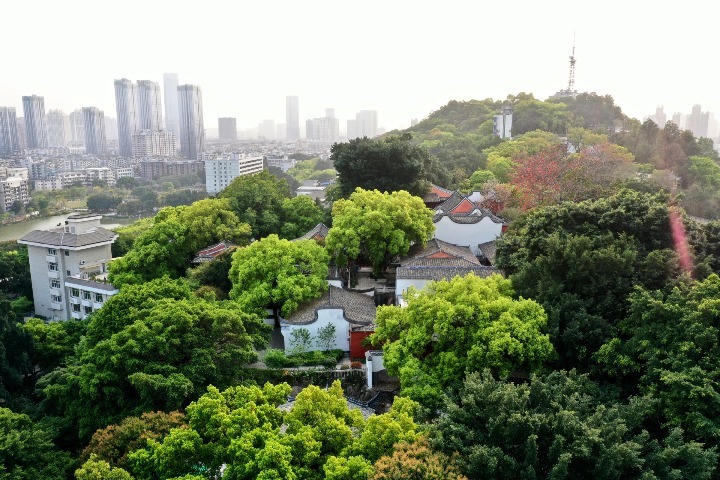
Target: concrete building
x=127 y=114
x=192 y=127
x=63 y=264
x=77 y=127
x=292 y=118
x=153 y=144
x=172 y=121
x=152 y=169
x=697 y=122
x=222 y=170
x=94 y=127
x=325 y=129
x=149 y=106
x=227 y=128
x=364 y=125
x=660 y=118
x=9 y=141
x=36 y=135
x=502 y=123
x=103 y=174
x=57 y=123
x=13 y=189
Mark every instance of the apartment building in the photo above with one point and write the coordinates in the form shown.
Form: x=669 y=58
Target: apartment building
x=223 y=169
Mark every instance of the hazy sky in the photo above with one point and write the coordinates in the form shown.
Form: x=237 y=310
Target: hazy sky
x=402 y=58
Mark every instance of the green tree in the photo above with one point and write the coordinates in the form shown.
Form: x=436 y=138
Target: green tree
x=377 y=226
x=560 y=426
x=275 y=273
x=451 y=328
x=15 y=351
x=215 y=273
x=183 y=197
x=388 y=165
x=176 y=235
x=27 y=451
x=15 y=268
x=94 y=469
x=257 y=200
x=416 y=461
x=128 y=183
x=326 y=337
x=103 y=202
x=299 y=215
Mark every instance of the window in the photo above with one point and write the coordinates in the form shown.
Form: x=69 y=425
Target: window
x=74 y=292
x=52 y=251
x=53 y=267
x=76 y=308
x=56 y=298
x=55 y=283
x=67 y=253
x=98 y=298
x=88 y=310
x=86 y=295
x=68 y=272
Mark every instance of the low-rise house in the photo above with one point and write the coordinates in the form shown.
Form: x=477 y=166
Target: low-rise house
x=212 y=252
x=318 y=233
x=345 y=309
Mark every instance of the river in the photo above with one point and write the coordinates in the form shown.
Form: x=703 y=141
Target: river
x=14 y=231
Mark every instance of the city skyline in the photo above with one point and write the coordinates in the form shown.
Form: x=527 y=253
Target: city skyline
x=399 y=59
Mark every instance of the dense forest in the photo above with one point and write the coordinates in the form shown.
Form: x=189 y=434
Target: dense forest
x=595 y=355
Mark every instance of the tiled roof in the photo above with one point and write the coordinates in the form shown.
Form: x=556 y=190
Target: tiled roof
x=466 y=218
x=465 y=206
x=443 y=273
x=212 y=252
x=437 y=194
x=437 y=253
x=358 y=308
x=453 y=201
x=318 y=232
x=488 y=249
x=57 y=237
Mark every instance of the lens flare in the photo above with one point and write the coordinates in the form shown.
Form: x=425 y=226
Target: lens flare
x=680 y=241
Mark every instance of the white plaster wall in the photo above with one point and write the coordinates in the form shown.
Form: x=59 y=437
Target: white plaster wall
x=471 y=234
x=325 y=317
x=401 y=286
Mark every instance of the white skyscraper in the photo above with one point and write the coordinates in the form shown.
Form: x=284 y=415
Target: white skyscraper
x=127 y=115
x=172 y=122
x=94 y=121
x=367 y=123
x=149 y=106
x=57 y=123
x=35 y=123
x=292 y=118
x=77 y=127
x=192 y=128
x=9 y=141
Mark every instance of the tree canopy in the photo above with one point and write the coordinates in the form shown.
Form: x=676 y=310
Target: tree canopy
x=377 y=226
x=454 y=327
x=278 y=273
x=388 y=165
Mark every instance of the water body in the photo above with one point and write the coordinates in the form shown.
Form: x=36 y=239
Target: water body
x=14 y=231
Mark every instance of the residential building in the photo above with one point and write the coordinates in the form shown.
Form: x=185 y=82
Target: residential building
x=660 y=118
x=127 y=114
x=149 y=106
x=227 y=128
x=13 y=189
x=64 y=263
x=367 y=123
x=152 y=169
x=9 y=141
x=325 y=129
x=282 y=162
x=502 y=123
x=36 y=135
x=697 y=122
x=77 y=127
x=292 y=118
x=94 y=127
x=153 y=144
x=311 y=188
x=172 y=119
x=223 y=169
x=192 y=128
x=103 y=174
x=57 y=124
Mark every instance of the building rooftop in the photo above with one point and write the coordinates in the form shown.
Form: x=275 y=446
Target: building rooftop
x=58 y=237
x=436 y=273
x=358 y=309
x=81 y=282
x=438 y=253
x=318 y=232
x=213 y=251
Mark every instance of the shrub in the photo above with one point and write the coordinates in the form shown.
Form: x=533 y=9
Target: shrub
x=344 y=366
x=275 y=358
x=355 y=365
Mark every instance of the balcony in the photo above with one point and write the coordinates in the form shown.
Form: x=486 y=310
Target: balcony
x=51 y=258
x=87 y=303
x=76 y=315
x=53 y=274
x=75 y=300
x=56 y=306
x=55 y=291
x=96 y=306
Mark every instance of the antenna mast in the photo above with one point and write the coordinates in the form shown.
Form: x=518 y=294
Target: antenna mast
x=571 y=82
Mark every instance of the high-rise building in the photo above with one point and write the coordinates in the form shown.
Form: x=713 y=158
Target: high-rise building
x=192 y=128
x=77 y=127
x=266 y=129
x=367 y=123
x=172 y=122
x=21 y=132
x=94 y=122
x=127 y=115
x=148 y=144
x=111 y=128
x=9 y=141
x=35 y=123
x=227 y=128
x=223 y=169
x=677 y=119
x=325 y=129
x=292 y=118
x=352 y=129
x=57 y=123
x=697 y=122
x=149 y=106
x=659 y=118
